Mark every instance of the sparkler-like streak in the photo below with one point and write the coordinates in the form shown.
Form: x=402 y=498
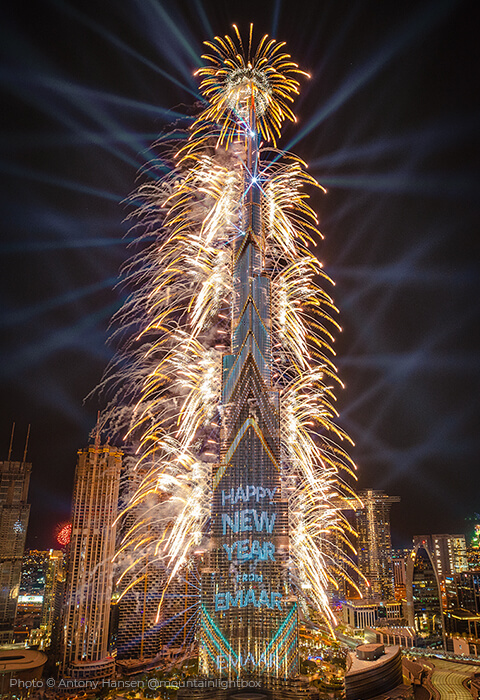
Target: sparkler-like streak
x=178 y=322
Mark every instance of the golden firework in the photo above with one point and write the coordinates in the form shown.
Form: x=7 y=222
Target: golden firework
x=240 y=82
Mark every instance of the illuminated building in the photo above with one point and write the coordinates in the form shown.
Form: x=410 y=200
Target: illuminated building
x=424 y=597
x=462 y=618
x=137 y=631
x=399 y=567
x=468 y=590
x=475 y=540
x=34 y=567
x=140 y=632
x=14 y=515
x=30 y=599
x=41 y=596
x=374 y=543
x=230 y=383
x=449 y=552
x=52 y=599
x=249 y=620
x=88 y=590
x=359 y=614
x=139 y=635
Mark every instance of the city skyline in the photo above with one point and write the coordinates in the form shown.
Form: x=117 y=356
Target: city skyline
x=385 y=123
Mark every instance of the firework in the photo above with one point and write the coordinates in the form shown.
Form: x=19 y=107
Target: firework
x=63 y=534
x=178 y=325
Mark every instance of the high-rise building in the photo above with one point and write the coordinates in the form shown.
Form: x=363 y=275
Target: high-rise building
x=233 y=421
x=249 y=622
x=137 y=630
x=449 y=552
x=375 y=544
x=34 y=569
x=30 y=599
x=52 y=599
x=424 y=596
x=467 y=584
x=89 y=580
x=14 y=515
x=399 y=567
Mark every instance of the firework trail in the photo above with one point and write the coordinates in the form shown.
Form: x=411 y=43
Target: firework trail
x=176 y=326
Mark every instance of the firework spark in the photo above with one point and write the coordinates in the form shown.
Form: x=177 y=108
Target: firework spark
x=177 y=322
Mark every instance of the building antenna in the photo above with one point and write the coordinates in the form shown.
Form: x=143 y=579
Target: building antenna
x=11 y=443
x=26 y=445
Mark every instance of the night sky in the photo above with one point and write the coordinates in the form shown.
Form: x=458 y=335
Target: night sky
x=389 y=123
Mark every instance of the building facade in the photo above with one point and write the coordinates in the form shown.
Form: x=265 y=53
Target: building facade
x=360 y=614
x=89 y=563
x=52 y=599
x=249 y=623
x=375 y=544
x=424 y=597
x=467 y=585
x=14 y=515
x=399 y=569
x=449 y=553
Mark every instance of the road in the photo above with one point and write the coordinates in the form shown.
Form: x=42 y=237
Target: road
x=447 y=678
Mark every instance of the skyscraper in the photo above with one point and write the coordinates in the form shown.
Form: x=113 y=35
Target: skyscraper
x=52 y=599
x=229 y=385
x=424 y=597
x=14 y=514
x=449 y=552
x=249 y=619
x=468 y=590
x=399 y=565
x=374 y=543
x=89 y=563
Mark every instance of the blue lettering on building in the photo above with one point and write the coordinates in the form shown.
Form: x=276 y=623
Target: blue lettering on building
x=247 y=520
x=242 y=598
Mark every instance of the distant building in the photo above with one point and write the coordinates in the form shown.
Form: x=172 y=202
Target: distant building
x=468 y=590
x=399 y=568
x=374 y=543
x=14 y=515
x=424 y=596
x=449 y=552
x=34 y=570
x=462 y=622
x=360 y=614
x=30 y=599
x=89 y=564
x=396 y=635
x=463 y=628
x=52 y=599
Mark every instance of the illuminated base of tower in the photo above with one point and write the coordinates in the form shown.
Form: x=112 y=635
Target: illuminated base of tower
x=221 y=689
